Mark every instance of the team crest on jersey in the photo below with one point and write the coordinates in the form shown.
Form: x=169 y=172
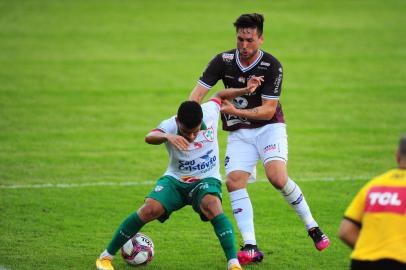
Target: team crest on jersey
x=209 y=134
x=240 y=102
x=158 y=188
x=228 y=57
x=241 y=79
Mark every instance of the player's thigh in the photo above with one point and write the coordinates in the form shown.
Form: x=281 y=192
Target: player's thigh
x=272 y=143
x=202 y=188
x=166 y=192
x=241 y=155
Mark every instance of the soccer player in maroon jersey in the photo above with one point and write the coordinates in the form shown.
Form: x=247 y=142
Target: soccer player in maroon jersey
x=256 y=130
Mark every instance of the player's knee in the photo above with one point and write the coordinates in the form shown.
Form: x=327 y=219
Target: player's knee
x=235 y=182
x=149 y=212
x=211 y=206
x=277 y=180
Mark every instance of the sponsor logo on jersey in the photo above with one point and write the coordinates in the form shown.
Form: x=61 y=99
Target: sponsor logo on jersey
x=228 y=57
x=208 y=163
x=384 y=199
x=197 y=145
x=263 y=63
x=277 y=83
x=158 y=188
x=228 y=76
x=207 y=155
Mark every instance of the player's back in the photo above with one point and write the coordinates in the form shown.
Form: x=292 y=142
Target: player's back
x=383 y=233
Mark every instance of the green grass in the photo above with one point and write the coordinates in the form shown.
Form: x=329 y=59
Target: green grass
x=82 y=82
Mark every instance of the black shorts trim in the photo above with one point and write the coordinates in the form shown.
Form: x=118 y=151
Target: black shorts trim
x=383 y=264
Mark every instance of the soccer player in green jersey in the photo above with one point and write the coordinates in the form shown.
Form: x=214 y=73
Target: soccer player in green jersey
x=192 y=177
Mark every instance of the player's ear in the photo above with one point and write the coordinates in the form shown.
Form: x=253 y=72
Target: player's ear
x=261 y=39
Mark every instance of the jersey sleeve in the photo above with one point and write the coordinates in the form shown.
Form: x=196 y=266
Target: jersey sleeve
x=272 y=86
x=211 y=111
x=167 y=126
x=212 y=73
x=355 y=210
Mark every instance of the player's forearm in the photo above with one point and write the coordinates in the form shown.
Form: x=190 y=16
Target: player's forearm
x=155 y=137
x=349 y=232
x=198 y=93
x=257 y=113
x=231 y=93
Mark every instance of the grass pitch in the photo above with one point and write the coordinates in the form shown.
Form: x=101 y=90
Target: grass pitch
x=81 y=83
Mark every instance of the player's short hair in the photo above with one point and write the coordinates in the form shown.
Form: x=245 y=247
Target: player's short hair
x=190 y=114
x=252 y=20
x=402 y=146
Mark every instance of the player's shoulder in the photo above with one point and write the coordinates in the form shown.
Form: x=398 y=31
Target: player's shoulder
x=226 y=56
x=391 y=176
x=271 y=59
x=168 y=125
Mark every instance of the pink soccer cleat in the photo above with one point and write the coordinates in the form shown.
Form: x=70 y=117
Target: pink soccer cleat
x=320 y=240
x=249 y=253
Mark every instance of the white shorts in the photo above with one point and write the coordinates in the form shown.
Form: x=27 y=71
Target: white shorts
x=246 y=146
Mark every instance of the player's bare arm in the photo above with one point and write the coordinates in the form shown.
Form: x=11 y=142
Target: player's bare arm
x=349 y=232
x=231 y=93
x=158 y=137
x=263 y=112
x=198 y=93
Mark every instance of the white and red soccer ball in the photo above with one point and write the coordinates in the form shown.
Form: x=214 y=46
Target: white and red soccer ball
x=139 y=250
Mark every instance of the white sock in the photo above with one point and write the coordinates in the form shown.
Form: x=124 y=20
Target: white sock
x=243 y=214
x=104 y=254
x=233 y=262
x=294 y=196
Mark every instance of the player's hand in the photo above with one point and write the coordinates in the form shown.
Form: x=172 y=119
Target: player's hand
x=178 y=141
x=254 y=82
x=227 y=107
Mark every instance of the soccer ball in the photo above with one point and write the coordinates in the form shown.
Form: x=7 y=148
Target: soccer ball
x=139 y=250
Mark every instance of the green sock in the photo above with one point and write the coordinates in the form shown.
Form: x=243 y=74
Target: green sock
x=224 y=231
x=127 y=229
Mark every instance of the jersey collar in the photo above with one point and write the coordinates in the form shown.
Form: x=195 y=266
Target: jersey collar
x=244 y=69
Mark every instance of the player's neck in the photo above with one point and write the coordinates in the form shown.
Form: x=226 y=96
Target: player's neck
x=247 y=62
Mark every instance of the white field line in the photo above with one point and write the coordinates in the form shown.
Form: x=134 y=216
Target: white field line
x=145 y=183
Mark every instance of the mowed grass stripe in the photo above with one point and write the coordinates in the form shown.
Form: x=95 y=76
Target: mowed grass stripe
x=145 y=183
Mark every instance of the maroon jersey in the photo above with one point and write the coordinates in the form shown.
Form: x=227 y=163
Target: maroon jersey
x=226 y=66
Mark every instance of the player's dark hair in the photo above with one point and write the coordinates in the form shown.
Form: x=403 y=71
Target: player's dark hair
x=252 y=20
x=402 y=146
x=190 y=114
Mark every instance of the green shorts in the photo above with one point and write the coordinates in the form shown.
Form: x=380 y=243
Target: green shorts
x=173 y=194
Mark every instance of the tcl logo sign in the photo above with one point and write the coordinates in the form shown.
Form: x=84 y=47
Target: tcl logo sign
x=386 y=199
